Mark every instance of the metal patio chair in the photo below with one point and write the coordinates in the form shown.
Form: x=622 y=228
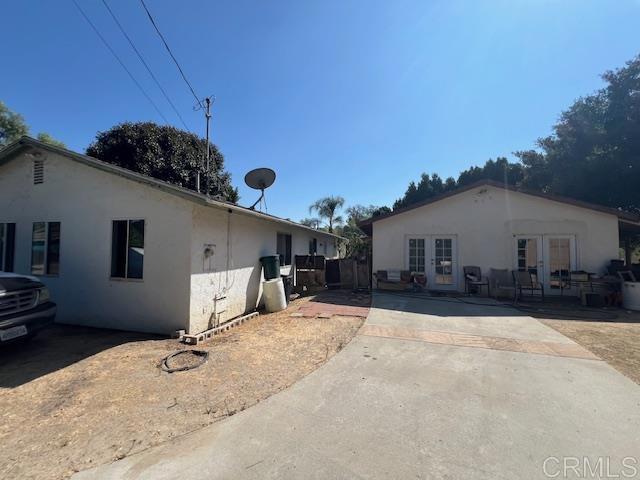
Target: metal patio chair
x=524 y=280
x=473 y=280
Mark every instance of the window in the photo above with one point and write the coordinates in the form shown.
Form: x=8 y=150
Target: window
x=45 y=248
x=416 y=255
x=313 y=246
x=7 y=246
x=284 y=248
x=127 y=248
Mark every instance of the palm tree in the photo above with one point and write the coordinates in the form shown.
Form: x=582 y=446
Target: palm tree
x=328 y=208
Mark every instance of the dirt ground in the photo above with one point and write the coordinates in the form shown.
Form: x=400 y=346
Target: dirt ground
x=77 y=397
x=616 y=341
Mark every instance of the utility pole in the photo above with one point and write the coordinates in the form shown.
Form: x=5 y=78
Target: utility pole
x=207 y=115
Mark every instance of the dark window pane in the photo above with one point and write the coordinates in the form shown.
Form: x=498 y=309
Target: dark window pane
x=283 y=248
x=2 y=244
x=136 y=249
x=53 y=249
x=37 y=248
x=10 y=247
x=288 y=252
x=119 y=249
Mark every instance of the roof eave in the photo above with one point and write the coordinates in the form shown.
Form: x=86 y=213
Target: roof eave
x=621 y=214
x=26 y=142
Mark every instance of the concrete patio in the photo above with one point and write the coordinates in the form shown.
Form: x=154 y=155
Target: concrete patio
x=406 y=406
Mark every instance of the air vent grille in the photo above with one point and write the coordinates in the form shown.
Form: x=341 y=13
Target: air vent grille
x=38 y=171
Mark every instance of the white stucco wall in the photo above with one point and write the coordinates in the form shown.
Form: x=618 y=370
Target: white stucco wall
x=86 y=200
x=241 y=282
x=485 y=222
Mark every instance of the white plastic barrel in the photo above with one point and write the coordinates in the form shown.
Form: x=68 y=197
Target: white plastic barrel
x=631 y=295
x=274 y=298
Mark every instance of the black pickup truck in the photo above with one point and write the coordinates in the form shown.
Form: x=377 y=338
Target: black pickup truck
x=25 y=307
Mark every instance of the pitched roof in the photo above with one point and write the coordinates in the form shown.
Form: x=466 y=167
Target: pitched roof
x=25 y=143
x=621 y=214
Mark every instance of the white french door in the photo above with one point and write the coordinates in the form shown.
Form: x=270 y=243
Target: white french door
x=550 y=258
x=444 y=268
x=559 y=260
x=436 y=256
x=529 y=256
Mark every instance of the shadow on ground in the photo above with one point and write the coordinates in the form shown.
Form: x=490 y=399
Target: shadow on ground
x=58 y=347
x=343 y=297
x=456 y=305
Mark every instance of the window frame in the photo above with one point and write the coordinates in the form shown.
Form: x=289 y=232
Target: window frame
x=126 y=278
x=424 y=254
x=4 y=246
x=288 y=253
x=45 y=260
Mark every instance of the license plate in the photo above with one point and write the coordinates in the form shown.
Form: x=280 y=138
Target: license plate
x=14 y=332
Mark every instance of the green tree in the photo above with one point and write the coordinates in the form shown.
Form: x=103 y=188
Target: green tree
x=327 y=208
x=165 y=153
x=46 y=138
x=594 y=151
x=427 y=187
x=12 y=125
x=357 y=213
x=357 y=243
x=500 y=170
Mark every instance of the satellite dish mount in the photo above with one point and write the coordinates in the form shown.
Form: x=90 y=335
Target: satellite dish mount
x=260 y=179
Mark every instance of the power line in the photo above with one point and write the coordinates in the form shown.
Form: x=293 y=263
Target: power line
x=184 y=77
x=120 y=61
x=166 y=96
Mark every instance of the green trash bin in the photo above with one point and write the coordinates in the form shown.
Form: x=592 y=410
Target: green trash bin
x=271 y=266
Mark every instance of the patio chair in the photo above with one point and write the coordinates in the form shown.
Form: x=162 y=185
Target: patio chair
x=524 y=280
x=473 y=280
x=500 y=280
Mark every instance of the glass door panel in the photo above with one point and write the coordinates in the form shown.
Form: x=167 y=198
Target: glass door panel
x=560 y=260
x=417 y=255
x=444 y=269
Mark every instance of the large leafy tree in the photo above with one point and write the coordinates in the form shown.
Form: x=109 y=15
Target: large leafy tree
x=327 y=208
x=165 y=153
x=593 y=153
x=13 y=126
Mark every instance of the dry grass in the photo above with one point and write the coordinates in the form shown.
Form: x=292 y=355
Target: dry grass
x=616 y=342
x=76 y=397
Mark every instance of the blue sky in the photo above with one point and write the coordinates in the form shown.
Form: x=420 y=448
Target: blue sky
x=340 y=97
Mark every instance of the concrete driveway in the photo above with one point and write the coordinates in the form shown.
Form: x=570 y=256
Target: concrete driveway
x=430 y=388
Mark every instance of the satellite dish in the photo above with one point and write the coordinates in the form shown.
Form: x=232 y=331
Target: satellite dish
x=260 y=179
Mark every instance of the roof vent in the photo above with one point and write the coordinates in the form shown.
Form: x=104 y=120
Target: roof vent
x=38 y=171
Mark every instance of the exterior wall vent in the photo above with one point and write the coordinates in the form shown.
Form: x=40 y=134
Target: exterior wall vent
x=38 y=171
